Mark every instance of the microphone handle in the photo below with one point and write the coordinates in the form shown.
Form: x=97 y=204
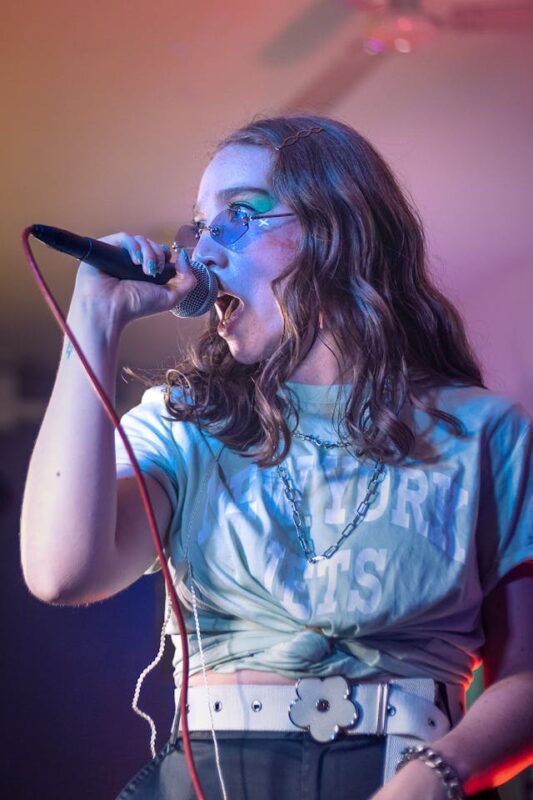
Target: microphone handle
x=114 y=261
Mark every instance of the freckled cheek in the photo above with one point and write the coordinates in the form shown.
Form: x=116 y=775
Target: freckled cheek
x=289 y=237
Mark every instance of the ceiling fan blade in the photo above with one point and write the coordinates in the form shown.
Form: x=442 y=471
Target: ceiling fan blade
x=501 y=16
x=307 y=32
x=336 y=80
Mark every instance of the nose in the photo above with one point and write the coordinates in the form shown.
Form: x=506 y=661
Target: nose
x=209 y=252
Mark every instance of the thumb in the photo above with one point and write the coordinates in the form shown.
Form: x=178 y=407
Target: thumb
x=184 y=280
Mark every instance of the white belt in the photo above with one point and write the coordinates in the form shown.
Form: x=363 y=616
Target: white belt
x=402 y=707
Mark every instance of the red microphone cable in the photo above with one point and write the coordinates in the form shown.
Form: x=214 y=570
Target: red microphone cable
x=112 y=414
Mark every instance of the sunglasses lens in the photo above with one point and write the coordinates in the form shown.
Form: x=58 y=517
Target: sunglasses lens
x=187 y=237
x=226 y=228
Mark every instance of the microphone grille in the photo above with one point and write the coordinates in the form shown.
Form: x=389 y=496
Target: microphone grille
x=203 y=296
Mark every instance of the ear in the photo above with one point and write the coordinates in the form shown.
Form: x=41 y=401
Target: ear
x=321 y=320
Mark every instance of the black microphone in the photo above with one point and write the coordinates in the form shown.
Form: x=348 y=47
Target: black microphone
x=115 y=261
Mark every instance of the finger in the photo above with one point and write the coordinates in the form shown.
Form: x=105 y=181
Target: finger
x=183 y=264
x=127 y=243
x=183 y=282
x=159 y=254
x=167 y=251
x=149 y=256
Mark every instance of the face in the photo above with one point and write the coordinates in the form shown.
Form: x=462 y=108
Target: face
x=249 y=316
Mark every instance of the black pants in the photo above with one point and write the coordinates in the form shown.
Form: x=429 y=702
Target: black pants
x=261 y=766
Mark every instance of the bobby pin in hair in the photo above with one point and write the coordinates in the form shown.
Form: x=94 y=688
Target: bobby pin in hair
x=300 y=135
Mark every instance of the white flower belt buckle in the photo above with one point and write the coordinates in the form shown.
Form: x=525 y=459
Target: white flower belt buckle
x=323 y=707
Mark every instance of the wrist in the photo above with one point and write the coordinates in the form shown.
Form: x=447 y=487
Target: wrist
x=93 y=324
x=444 y=771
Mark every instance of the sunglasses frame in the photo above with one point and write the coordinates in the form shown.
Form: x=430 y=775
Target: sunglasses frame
x=214 y=230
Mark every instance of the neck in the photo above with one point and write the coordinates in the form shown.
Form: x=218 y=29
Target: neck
x=322 y=366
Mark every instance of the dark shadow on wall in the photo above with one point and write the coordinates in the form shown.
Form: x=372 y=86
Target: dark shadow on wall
x=68 y=674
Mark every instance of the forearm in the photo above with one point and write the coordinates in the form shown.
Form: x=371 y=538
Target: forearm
x=80 y=541
x=69 y=508
x=494 y=740
x=490 y=745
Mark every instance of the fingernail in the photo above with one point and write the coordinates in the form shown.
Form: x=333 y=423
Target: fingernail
x=166 y=248
x=152 y=267
x=139 y=256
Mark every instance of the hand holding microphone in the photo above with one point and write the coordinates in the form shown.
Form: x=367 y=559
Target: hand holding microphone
x=139 y=259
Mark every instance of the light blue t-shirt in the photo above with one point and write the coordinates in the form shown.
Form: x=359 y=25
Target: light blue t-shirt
x=403 y=594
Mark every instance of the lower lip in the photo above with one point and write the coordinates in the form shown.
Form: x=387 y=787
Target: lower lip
x=226 y=328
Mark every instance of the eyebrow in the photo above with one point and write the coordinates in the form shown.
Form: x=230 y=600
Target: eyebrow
x=224 y=195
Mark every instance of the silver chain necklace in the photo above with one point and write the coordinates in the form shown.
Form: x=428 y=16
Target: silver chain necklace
x=306 y=543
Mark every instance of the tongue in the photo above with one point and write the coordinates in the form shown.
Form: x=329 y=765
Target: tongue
x=234 y=302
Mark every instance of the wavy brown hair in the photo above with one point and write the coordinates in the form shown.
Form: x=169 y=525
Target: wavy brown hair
x=361 y=266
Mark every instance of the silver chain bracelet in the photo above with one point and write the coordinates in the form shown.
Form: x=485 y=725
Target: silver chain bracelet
x=447 y=774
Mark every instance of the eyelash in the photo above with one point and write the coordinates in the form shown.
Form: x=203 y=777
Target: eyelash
x=244 y=206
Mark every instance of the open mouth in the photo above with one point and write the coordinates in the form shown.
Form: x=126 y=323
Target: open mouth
x=226 y=305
